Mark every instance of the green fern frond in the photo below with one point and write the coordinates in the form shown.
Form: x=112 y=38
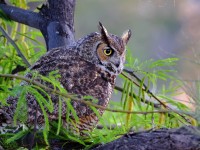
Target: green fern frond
x=71 y=110
x=59 y=115
x=17 y=136
x=21 y=107
x=43 y=104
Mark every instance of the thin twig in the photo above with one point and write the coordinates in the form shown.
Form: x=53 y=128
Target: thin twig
x=27 y=17
x=137 y=78
x=143 y=100
x=15 y=46
x=87 y=102
x=145 y=89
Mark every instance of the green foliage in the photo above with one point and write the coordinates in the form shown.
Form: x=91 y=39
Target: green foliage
x=194 y=97
x=8 y=146
x=135 y=95
x=3 y=16
x=16 y=136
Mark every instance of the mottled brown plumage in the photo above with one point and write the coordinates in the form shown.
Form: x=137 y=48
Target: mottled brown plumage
x=89 y=67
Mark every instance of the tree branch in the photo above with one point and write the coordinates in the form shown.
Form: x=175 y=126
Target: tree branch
x=82 y=100
x=143 y=100
x=26 y=17
x=15 y=46
x=145 y=89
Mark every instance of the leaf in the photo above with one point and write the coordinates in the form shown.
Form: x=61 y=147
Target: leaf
x=128 y=88
x=42 y=102
x=164 y=62
x=39 y=97
x=46 y=96
x=4 y=16
x=124 y=92
x=75 y=139
x=162 y=118
x=71 y=109
x=174 y=103
x=28 y=37
x=21 y=107
x=59 y=114
x=130 y=108
x=141 y=93
x=17 y=136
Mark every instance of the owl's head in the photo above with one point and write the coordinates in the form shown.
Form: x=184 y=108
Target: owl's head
x=105 y=50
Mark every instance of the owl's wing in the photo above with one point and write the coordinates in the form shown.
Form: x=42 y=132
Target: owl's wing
x=49 y=61
x=78 y=76
x=44 y=65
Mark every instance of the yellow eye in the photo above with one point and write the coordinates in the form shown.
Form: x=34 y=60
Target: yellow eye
x=108 y=52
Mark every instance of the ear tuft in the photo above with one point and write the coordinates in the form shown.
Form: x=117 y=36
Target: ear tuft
x=102 y=29
x=104 y=32
x=126 y=36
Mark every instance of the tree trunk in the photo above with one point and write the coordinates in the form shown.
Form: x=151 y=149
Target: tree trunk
x=55 y=20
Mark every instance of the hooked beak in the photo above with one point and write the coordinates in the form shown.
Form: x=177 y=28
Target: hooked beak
x=116 y=68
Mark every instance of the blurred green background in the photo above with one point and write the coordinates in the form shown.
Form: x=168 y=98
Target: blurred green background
x=161 y=28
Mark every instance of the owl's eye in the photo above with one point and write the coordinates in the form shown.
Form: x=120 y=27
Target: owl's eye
x=108 y=52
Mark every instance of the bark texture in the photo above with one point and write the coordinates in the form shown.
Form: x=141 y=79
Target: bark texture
x=184 y=138
x=55 y=20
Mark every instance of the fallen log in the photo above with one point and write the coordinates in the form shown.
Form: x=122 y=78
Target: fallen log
x=184 y=138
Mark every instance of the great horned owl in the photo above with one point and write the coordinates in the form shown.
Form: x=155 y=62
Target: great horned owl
x=89 y=67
